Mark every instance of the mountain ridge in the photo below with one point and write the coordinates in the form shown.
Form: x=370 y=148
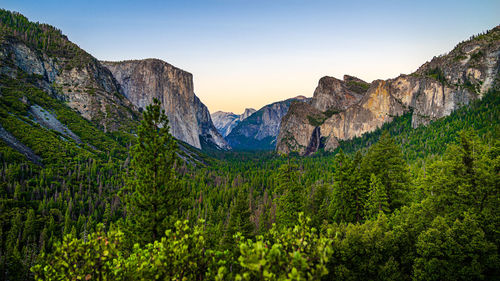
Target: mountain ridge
x=436 y=89
x=65 y=71
x=259 y=130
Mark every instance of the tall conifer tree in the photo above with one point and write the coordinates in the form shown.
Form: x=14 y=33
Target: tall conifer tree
x=291 y=201
x=239 y=219
x=385 y=160
x=153 y=193
x=377 y=198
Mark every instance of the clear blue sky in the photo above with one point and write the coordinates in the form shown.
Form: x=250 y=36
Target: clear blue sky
x=247 y=53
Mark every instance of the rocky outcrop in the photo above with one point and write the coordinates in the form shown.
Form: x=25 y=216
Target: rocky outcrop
x=49 y=121
x=334 y=94
x=435 y=90
x=143 y=80
x=81 y=81
x=259 y=131
x=226 y=121
x=295 y=121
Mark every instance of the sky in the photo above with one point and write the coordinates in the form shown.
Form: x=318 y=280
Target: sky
x=249 y=53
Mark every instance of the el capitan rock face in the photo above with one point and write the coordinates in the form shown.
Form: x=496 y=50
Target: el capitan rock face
x=143 y=80
x=109 y=94
x=114 y=100
x=340 y=110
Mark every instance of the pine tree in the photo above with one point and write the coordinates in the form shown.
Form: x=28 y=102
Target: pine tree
x=359 y=189
x=291 y=200
x=318 y=204
x=466 y=180
x=385 y=160
x=67 y=221
x=153 y=193
x=107 y=215
x=17 y=192
x=29 y=226
x=377 y=199
x=239 y=219
x=348 y=193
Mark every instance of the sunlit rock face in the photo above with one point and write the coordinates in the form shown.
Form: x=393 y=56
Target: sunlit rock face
x=142 y=80
x=343 y=109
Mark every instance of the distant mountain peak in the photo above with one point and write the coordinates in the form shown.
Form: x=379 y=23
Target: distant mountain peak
x=259 y=130
x=247 y=113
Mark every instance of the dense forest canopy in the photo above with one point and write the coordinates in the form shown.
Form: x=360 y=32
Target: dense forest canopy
x=263 y=216
x=395 y=204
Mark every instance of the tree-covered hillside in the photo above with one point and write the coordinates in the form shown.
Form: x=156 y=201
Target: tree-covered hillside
x=424 y=141
x=259 y=195
x=81 y=203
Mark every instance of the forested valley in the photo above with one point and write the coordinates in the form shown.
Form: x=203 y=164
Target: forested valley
x=399 y=203
x=408 y=206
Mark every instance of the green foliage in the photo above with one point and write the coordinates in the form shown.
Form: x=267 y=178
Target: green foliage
x=385 y=160
x=477 y=55
x=92 y=258
x=358 y=87
x=349 y=189
x=466 y=180
x=363 y=251
x=377 y=198
x=330 y=112
x=456 y=251
x=152 y=193
x=419 y=241
x=295 y=253
x=239 y=219
x=318 y=204
x=317 y=120
x=180 y=255
x=438 y=74
x=42 y=37
x=291 y=199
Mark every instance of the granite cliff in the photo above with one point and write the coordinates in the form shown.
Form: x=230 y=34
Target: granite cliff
x=142 y=80
x=110 y=95
x=341 y=110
